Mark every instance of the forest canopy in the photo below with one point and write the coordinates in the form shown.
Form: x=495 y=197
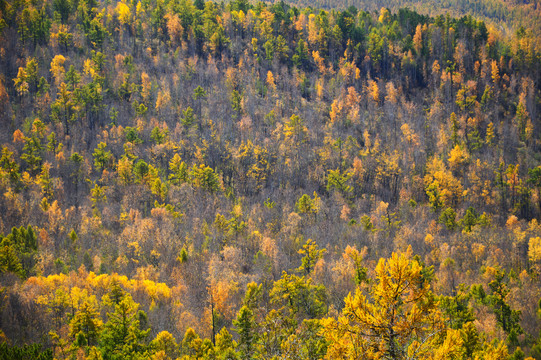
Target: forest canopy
x=200 y=180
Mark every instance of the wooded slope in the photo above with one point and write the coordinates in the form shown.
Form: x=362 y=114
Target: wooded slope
x=191 y=167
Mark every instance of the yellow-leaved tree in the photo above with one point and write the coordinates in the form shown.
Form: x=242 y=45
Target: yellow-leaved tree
x=397 y=319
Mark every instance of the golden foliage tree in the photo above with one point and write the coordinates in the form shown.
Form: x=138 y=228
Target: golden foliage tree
x=398 y=319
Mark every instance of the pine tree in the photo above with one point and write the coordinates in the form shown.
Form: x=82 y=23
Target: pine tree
x=245 y=327
x=86 y=325
x=122 y=336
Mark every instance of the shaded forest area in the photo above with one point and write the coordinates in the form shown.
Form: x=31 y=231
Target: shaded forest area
x=204 y=180
x=506 y=16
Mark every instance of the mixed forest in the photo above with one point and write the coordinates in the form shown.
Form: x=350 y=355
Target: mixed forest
x=505 y=15
x=202 y=180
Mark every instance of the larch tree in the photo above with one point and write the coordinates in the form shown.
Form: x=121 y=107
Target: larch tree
x=398 y=319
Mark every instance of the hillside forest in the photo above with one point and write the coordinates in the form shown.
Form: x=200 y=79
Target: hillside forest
x=198 y=180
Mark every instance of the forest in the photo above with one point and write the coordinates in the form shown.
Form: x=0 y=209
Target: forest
x=198 y=180
x=506 y=16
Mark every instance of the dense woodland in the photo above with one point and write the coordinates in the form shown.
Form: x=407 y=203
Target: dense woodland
x=203 y=180
x=507 y=16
